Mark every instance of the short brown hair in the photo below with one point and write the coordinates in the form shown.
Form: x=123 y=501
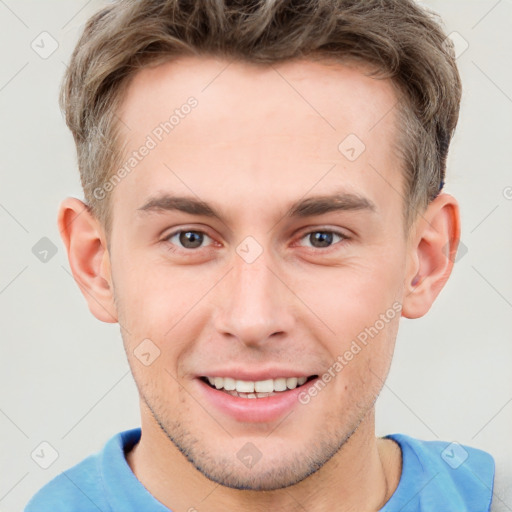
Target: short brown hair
x=398 y=38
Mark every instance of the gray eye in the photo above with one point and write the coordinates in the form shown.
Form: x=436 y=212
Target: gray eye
x=188 y=239
x=322 y=239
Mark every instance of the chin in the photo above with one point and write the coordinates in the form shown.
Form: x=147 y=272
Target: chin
x=268 y=469
x=266 y=474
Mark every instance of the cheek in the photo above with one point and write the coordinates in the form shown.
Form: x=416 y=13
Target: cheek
x=153 y=298
x=159 y=318
x=354 y=300
x=377 y=343
x=360 y=362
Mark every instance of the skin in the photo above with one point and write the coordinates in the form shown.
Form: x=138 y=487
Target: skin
x=251 y=148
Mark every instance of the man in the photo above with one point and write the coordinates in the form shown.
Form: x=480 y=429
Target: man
x=263 y=202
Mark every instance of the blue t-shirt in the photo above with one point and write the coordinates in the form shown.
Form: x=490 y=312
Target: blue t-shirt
x=436 y=477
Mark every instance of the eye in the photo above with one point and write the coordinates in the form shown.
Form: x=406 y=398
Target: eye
x=322 y=239
x=187 y=239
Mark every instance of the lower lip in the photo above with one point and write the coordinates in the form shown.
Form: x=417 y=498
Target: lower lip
x=253 y=410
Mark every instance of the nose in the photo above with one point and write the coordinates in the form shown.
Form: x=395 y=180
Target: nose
x=255 y=302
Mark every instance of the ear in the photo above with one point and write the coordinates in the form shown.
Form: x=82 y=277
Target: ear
x=88 y=257
x=432 y=249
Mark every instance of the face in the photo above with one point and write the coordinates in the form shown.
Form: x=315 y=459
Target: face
x=255 y=245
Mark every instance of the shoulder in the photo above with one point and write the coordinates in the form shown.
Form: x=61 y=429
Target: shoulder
x=454 y=475
x=81 y=488
x=76 y=488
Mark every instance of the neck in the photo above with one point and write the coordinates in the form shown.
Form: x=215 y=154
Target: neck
x=361 y=476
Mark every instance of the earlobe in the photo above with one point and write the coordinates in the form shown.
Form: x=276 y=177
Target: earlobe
x=88 y=257
x=432 y=253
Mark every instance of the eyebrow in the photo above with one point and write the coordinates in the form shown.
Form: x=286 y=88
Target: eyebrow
x=309 y=207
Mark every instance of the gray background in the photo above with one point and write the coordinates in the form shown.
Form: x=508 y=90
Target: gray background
x=64 y=377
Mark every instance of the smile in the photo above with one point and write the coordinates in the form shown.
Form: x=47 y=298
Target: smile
x=255 y=389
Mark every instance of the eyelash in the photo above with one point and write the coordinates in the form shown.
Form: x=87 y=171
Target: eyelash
x=172 y=247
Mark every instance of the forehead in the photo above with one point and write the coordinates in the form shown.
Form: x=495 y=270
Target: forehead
x=261 y=133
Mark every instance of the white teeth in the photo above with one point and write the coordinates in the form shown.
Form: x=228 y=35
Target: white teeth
x=280 y=384
x=264 y=386
x=229 y=384
x=256 y=389
x=291 y=382
x=244 y=386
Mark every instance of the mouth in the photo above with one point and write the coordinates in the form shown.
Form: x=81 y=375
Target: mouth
x=256 y=389
x=273 y=396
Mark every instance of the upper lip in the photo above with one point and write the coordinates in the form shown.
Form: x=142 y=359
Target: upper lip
x=256 y=375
